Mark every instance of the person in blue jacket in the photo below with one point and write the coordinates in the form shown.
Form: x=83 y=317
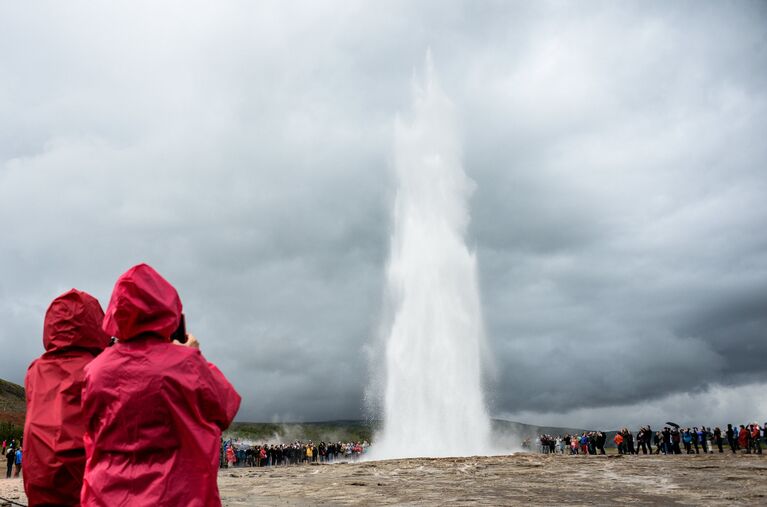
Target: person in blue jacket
x=17 y=472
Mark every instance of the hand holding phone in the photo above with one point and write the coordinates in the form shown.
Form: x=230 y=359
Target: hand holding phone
x=179 y=335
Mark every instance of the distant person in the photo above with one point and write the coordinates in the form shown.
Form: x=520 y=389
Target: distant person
x=585 y=443
x=17 y=462
x=687 y=440
x=743 y=439
x=154 y=409
x=717 y=440
x=676 y=438
x=755 y=444
x=628 y=438
x=731 y=438
x=642 y=443
x=703 y=439
x=54 y=453
x=601 y=439
x=618 y=439
x=696 y=439
x=230 y=457
x=667 y=441
x=10 y=456
x=310 y=452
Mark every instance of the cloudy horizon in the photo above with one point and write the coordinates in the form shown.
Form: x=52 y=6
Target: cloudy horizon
x=245 y=152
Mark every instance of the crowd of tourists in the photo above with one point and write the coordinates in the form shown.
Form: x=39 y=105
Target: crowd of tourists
x=592 y=442
x=264 y=455
x=672 y=439
x=12 y=452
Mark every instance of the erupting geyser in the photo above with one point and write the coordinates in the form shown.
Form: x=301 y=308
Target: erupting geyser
x=433 y=399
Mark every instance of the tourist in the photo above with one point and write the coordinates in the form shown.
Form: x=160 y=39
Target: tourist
x=54 y=452
x=731 y=438
x=17 y=462
x=618 y=439
x=629 y=439
x=641 y=441
x=667 y=449
x=696 y=439
x=592 y=443
x=676 y=439
x=743 y=438
x=601 y=440
x=231 y=459
x=687 y=440
x=154 y=409
x=10 y=455
x=755 y=445
x=718 y=440
x=703 y=439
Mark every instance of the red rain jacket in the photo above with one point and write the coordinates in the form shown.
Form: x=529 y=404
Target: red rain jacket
x=54 y=456
x=743 y=437
x=154 y=410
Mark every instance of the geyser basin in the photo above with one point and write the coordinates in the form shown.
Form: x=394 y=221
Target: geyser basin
x=433 y=400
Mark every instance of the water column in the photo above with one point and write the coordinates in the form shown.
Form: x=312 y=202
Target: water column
x=433 y=398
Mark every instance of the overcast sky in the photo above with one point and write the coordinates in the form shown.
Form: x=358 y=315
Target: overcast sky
x=245 y=151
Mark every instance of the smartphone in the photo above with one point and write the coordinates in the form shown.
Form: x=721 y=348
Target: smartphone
x=180 y=333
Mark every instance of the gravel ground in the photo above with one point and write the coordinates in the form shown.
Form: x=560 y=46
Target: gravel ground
x=521 y=479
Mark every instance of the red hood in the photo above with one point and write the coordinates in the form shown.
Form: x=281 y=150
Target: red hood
x=74 y=320
x=143 y=302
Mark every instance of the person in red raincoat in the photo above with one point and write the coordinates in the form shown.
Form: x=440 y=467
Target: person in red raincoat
x=154 y=410
x=743 y=438
x=54 y=456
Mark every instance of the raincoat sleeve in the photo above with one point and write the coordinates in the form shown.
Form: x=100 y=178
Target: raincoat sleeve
x=218 y=398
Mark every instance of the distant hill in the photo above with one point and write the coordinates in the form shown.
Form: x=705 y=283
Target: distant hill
x=329 y=431
x=13 y=406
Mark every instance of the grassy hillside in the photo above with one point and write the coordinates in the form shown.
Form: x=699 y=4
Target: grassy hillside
x=329 y=431
x=12 y=408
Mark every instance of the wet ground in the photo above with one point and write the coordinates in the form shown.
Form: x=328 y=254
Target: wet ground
x=522 y=479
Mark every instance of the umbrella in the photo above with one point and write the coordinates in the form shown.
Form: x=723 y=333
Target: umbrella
x=675 y=425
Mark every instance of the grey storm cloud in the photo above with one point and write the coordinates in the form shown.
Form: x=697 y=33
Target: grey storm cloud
x=245 y=151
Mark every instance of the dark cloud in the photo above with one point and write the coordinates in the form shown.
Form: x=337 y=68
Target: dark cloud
x=245 y=151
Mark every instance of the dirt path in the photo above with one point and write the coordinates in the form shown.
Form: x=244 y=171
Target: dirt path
x=522 y=479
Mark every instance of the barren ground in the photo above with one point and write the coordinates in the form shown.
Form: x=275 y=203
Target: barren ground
x=522 y=479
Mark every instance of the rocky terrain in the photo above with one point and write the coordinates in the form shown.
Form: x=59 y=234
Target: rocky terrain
x=521 y=479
